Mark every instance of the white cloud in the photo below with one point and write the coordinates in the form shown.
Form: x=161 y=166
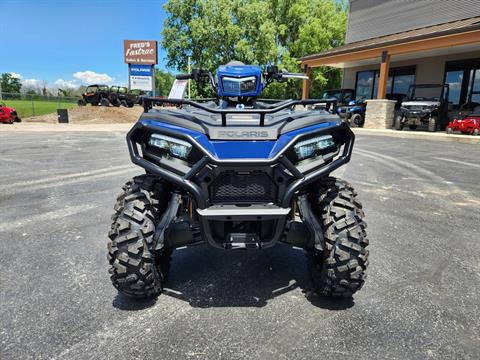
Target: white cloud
x=31 y=83
x=91 y=77
x=66 y=84
x=16 y=75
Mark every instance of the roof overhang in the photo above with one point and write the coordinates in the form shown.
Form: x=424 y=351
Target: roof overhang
x=357 y=52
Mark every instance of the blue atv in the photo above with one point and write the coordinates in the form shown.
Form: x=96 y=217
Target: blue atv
x=353 y=113
x=238 y=172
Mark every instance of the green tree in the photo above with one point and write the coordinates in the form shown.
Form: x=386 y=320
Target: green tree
x=10 y=84
x=163 y=82
x=213 y=32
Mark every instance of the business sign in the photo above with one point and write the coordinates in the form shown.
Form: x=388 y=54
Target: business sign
x=141 y=70
x=141 y=82
x=140 y=52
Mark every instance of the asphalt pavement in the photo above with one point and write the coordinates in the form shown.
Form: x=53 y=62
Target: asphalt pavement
x=420 y=301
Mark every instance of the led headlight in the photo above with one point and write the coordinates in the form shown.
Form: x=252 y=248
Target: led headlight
x=175 y=147
x=238 y=86
x=309 y=148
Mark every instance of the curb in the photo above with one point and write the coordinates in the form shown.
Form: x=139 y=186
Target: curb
x=405 y=134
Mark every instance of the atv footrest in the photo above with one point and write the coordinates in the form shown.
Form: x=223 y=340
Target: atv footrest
x=234 y=212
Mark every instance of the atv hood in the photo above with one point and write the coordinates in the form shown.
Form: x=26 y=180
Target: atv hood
x=421 y=103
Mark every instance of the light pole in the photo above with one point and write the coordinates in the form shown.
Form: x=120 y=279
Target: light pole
x=189 y=71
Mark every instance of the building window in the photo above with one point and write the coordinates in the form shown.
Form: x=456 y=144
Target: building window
x=463 y=78
x=454 y=79
x=399 y=80
x=364 y=85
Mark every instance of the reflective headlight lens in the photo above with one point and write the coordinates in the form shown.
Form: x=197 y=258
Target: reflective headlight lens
x=238 y=86
x=309 y=148
x=175 y=147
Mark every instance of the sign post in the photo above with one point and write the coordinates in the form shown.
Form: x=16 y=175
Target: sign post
x=141 y=57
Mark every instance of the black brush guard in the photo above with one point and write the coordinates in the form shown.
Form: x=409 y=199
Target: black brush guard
x=208 y=211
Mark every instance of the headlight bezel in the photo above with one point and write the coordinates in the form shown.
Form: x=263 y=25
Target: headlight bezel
x=311 y=148
x=171 y=146
x=230 y=90
x=340 y=137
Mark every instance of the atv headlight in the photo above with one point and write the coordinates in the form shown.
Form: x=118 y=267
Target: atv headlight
x=309 y=148
x=175 y=147
x=238 y=86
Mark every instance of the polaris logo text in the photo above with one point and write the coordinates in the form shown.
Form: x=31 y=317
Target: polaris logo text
x=243 y=134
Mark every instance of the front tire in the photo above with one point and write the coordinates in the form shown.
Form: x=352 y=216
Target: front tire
x=398 y=122
x=356 y=120
x=137 y=269
x=339 y=270
x=432 y=124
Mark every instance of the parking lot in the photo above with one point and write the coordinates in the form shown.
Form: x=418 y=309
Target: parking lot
x=420 y=301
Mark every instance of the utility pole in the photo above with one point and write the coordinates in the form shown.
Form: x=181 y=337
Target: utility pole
x=189 y=71
x=1 y=98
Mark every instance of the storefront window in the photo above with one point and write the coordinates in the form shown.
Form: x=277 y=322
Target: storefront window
x=364 y=87
x=375 y=86
x=475 y=85
x=463 y=78
x=398 y=82
x=401 y=83
x=454 y=80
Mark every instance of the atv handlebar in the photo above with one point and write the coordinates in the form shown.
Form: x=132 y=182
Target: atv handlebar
x=184 y=76
x=196 y=74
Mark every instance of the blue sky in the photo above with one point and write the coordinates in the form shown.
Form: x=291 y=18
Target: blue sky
x=74 y=41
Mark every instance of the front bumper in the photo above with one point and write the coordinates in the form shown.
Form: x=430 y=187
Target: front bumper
x=196 y=179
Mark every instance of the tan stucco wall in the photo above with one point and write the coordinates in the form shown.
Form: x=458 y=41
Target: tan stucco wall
x=429 y=70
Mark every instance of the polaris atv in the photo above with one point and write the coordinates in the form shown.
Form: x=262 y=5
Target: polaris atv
x=425 y=105
x=238 y=173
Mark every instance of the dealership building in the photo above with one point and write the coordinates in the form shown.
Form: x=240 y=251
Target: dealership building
x=391 y=44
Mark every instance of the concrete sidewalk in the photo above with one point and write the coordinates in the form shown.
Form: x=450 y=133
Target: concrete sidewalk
x=124 y=127
x=418 y=134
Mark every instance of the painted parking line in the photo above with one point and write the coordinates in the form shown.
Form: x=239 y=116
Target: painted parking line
x=60 y=178
x=50 y=215
x=458 y=162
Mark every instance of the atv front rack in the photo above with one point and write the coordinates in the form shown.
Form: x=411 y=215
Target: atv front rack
x=331 y=103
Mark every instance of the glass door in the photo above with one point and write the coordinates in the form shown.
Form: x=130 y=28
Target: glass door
x=455 y=81
x=463 y=78
x=474 y=86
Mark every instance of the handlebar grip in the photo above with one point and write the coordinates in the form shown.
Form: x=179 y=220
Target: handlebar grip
x=183 y=76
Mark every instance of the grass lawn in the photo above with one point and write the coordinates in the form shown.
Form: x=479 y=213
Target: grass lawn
x=40 y=107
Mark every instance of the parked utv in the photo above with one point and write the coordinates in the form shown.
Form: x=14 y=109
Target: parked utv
x=120 y=96
x=238 y=173
x=95 y=95
x=114 y=96
x=8 y=115
x=425 y=104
